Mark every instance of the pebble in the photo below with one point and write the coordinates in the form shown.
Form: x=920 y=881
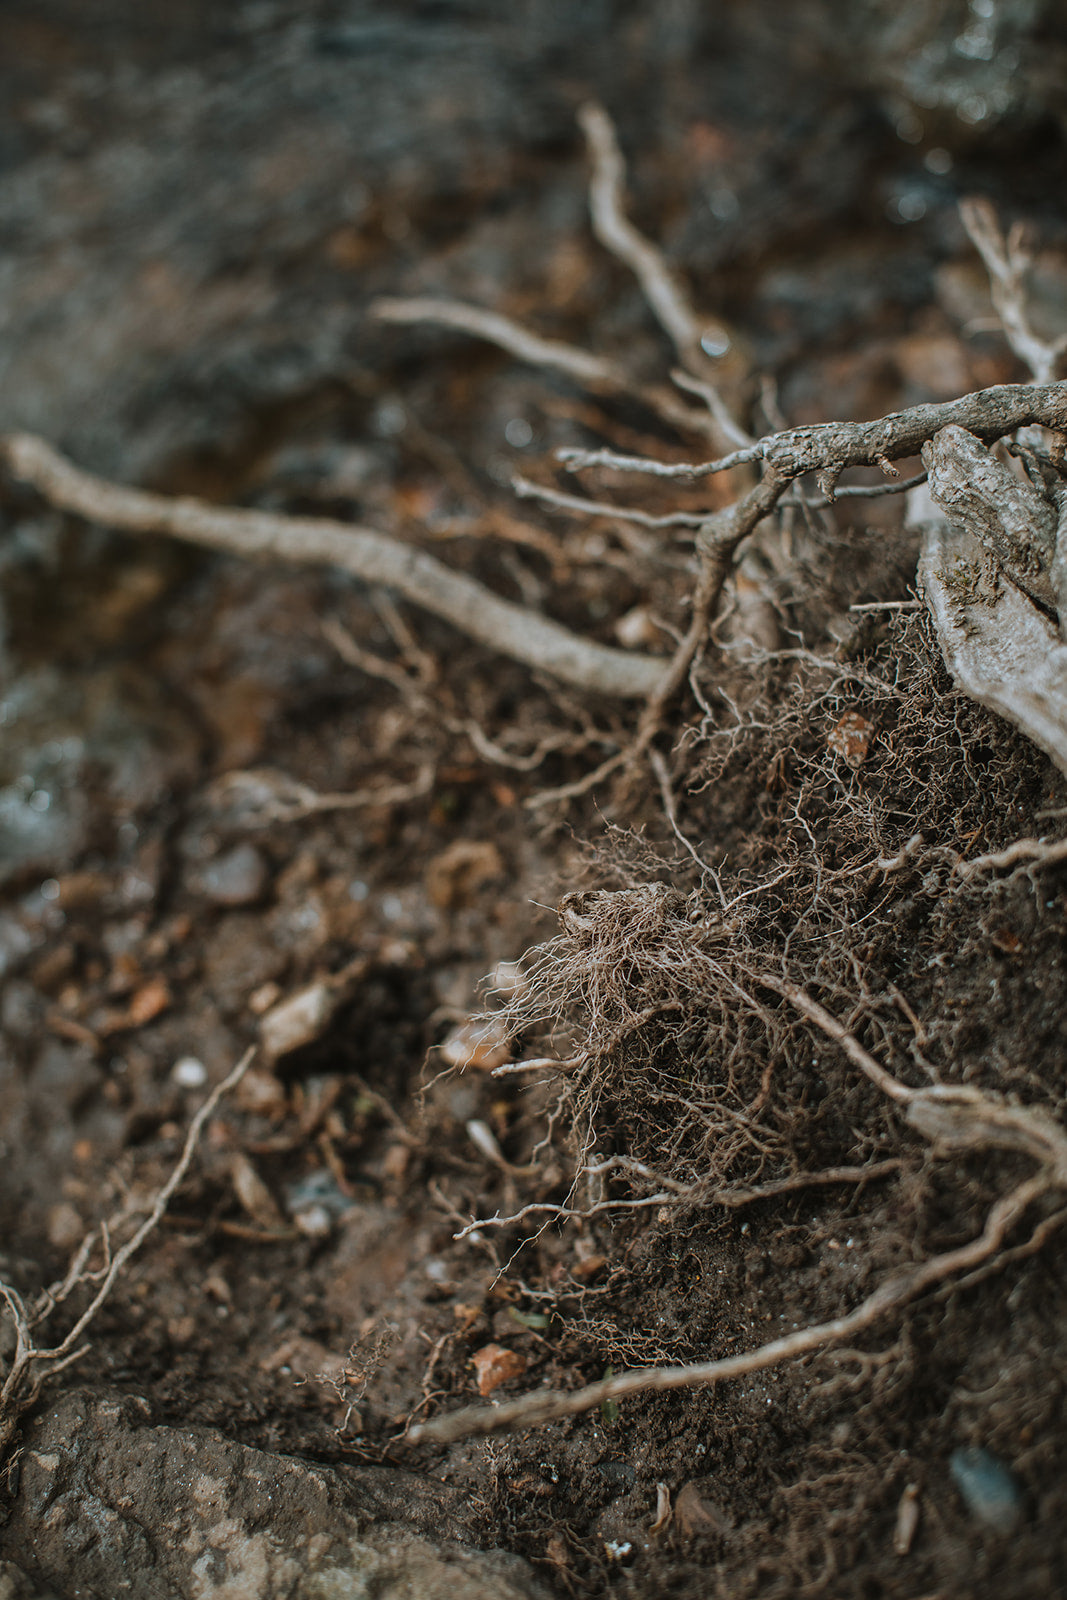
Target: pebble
x=988 y=1488
x=189 y=1073
x=236 y=878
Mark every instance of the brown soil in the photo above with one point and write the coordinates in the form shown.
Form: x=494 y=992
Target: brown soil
x=325 y=1310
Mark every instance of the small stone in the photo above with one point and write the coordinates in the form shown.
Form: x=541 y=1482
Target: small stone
x=636 y=629
x=253 y=1194
x=907 y=1519
x=236 y=878
x=454 y=877
x=314 y=1221
x=148 y=1002
x=189 y=1073
x=297 y=1020
x=65 y=1227
x=988 y=1489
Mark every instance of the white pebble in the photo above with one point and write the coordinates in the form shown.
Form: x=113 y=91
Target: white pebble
x=189 y=1073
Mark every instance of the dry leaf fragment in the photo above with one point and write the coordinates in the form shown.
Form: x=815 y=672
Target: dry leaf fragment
x=693 y=1515
x=466 y=1316
x=256 y=1199
x=851 y=739
x=663 y=1509
x=495 y=1365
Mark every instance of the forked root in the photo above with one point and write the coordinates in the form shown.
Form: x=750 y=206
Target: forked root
x=952 y=1119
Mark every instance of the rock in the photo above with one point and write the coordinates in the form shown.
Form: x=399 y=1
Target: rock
x=110 y=1504
x=238 y=877
x=17 y=1585
x=988 y=1489
x=75 y=741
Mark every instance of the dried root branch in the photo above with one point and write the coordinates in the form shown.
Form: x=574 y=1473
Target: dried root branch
x=952 y=1119
x=660 y=286
x=592 y=372
x=1035 y=852
x=31 y=1364
x=534 y=1410
x=1007 y=261
x=374 y=557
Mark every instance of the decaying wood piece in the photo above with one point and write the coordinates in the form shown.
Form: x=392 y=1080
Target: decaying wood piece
x=988 y=571
x=1011 y=519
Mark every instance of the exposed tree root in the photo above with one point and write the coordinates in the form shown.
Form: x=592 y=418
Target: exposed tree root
x=952 y=1119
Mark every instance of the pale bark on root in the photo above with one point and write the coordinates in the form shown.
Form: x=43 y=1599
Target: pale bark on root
x=523 y=635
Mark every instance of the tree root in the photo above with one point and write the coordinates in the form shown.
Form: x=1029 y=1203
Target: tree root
x=952 y=1119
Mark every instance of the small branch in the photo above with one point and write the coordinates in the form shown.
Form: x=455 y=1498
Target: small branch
x=557 y=1213
x=833 y=446
x=1007 y=261
x=580 y=460
x=746 y=1195
x=865 y=491
x=591 y=371
x=617 y=233
x=987 y=413
x=373 y=557
x=659 y=284
x=833 y=1029
x=525 y=490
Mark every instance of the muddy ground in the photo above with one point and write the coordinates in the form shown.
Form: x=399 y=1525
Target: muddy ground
x=306 y=1294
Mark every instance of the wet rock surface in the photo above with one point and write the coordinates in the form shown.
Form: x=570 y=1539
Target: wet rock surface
x=109 y=1504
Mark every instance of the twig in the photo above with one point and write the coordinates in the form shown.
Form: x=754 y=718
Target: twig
x=864 y=491
x=31 y=1365
x=580 y=460
x=514 y=631
x=833 y=1029
x=557 y=1213
x=265 y=796
x=617 y=233
x=507 y=335
x=830 y=447
x=715 y=404
x=746 y=1195
x=591 y=371
x=659 y=285
x=1007 y=261
x=525 y=490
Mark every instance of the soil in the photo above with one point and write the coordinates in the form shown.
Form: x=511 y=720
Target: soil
x=307 y=1294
